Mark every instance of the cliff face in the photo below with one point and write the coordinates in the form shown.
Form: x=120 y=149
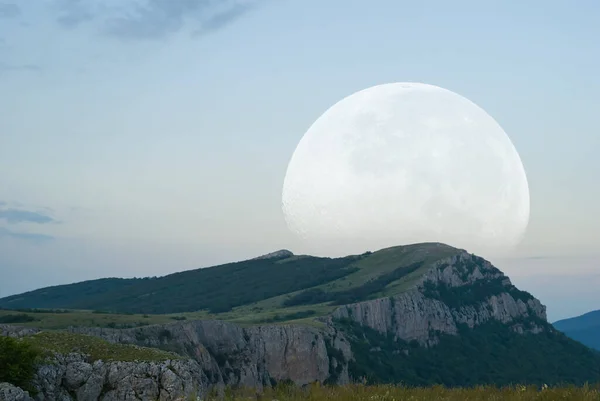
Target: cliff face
x=255 y=356
x=462 y=289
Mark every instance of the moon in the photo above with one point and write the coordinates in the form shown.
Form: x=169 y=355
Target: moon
x=404 y=163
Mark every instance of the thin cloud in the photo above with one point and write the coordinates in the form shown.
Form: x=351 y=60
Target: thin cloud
x=30 y=237
x=223 y=19
x=152 y=19
x=6 y=67
x=15 y=216
x=72 y=13
x=9 y=10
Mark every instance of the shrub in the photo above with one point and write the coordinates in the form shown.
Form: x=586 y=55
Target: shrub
x=16 y=318
x=17 y=362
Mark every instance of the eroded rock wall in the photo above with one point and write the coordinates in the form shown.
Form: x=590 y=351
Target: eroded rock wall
x=414 y=315
x=254 y=356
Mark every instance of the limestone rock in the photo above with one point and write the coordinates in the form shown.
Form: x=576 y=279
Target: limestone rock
x=413 y=316
x=231 y=355
x=72 y=377
x=8 y=392
x=281 y=254
x=16 y=331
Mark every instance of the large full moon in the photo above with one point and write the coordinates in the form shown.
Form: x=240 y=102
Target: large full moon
x=404 y=163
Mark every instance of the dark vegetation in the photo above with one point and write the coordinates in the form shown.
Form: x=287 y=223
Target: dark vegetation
x=490 y=354
x=472 y=294
x=589 y=336
x=37 y=310
x=115 y=325
x=217 y=289
x=17 y=318
x=290 y=316
x=18 y=360
x=357 y=294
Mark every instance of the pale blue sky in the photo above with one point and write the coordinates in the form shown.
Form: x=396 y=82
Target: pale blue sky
x=154 y=134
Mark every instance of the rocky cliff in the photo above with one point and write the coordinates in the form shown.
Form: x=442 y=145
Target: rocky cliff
x=462 y=289
x=253 y=356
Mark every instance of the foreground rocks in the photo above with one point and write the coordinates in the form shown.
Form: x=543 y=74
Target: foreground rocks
x=72 y=377
x=8 y=392
x=16 y=331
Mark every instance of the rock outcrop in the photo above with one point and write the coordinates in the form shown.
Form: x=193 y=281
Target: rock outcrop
x=16 y=331
x=8 y=392
x=74 y=377
x=253 y=356
x=423 y=310
x=280 y=254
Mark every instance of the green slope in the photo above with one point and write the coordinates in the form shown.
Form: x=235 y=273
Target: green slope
x=257 y=285
x=584 y=328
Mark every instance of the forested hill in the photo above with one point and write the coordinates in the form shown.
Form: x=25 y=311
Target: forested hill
x=217 y=289
x=584 y=328
x=220 y=288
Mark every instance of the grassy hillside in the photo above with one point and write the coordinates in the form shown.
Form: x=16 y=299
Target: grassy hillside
x=257 y=290
x=217 y=289
x=55 y=320
x=96 y=348
x=584 y=328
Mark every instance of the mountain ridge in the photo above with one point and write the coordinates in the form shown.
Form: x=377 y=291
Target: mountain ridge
x=257 y=282
x=450 y=318
x=584 y=328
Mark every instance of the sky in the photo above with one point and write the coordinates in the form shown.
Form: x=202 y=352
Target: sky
x=144 y=137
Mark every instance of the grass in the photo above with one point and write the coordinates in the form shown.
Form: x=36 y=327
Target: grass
x=96 y=348
x=388 y=259
x=84 y=318
x=371 y=267
x=397 y=393
x=244 y=316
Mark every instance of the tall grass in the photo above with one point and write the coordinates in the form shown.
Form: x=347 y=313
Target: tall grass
x=398 y=393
